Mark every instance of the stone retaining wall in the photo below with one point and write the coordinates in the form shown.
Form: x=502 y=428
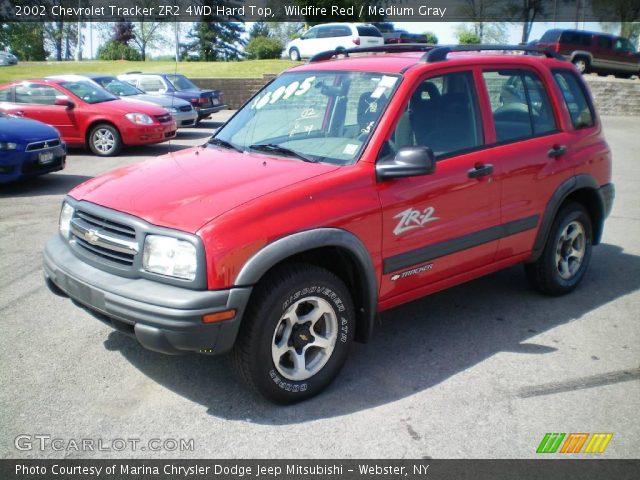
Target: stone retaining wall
x=613 y=96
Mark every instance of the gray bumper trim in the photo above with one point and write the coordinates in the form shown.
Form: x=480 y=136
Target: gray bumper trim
x=162 y=317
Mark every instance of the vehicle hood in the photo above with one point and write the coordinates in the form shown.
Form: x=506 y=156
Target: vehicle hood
x=188 y=189
x=22 y=130
x=124 y=106
x=163 y=101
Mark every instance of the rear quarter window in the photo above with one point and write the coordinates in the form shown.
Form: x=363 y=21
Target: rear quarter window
x=575 y=98
x=365 y=31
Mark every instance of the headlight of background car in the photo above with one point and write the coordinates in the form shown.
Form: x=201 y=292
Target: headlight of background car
x=139 y=118
x=8 y=146
x=172 y=110
x=169 y=256
x=66 y=214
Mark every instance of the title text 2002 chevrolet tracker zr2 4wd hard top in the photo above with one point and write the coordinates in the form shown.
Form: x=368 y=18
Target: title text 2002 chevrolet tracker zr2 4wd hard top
x=343 y=188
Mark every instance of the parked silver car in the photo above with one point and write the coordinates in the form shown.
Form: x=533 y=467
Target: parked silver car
x=7 y=59
x=181 y=111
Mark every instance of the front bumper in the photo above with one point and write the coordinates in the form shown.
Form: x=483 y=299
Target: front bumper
x=185 y=119
x=144 y=135
x=607 y=194
x=163 y=318
x=16 y=164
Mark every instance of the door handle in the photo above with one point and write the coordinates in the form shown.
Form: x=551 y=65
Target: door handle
x=557 y=151
x=480 y=171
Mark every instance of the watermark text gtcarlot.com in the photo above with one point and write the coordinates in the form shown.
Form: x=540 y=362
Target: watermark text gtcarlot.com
x=48 y=443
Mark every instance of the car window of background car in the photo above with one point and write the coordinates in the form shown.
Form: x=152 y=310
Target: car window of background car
x=519 y=103
x=442 y=114
x=36 y=94
x=368 y=31
x=88 y=92
x=575 y=38
x=325 y=115
x=180 y=82
x=5 y=95
x=605 y=42
x=151 y=84
x=121 y=89
x=575 y=98
x=309 y=34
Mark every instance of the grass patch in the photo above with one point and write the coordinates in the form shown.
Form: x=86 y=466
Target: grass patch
x=245 y=69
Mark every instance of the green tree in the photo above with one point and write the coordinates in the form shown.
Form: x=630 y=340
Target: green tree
x=431 y=38
x=214 y=41
x=260 y=48
x=467 y=37
x=259 y=29
x=25 y=40
x=113 y=50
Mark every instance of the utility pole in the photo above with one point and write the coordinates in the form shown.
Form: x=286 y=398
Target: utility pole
x=79 y=39
x=177 y=40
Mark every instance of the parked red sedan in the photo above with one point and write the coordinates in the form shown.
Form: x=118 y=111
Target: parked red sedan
x=87 y=115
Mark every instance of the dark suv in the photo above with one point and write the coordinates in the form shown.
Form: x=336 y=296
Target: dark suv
x=596 y=52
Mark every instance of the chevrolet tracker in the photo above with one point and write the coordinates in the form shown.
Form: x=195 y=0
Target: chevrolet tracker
x=343 y=188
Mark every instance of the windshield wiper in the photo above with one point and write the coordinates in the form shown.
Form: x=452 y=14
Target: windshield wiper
x=223 y=143
x=275 y=148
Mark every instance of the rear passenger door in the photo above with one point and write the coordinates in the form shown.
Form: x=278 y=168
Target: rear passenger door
x=529 y=149
x=440 y=225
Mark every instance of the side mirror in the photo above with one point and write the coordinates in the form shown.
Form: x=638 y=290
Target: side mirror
x=408 y=162
x=63 y=101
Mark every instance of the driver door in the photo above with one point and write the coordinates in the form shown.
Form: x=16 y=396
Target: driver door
x=445 y=224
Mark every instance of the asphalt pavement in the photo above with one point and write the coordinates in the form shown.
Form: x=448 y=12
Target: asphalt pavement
x=483 y=370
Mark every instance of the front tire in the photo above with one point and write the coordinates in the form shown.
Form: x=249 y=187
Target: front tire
x=296 y=333
x=294 y=54
x=105 y=140
x=566 y=254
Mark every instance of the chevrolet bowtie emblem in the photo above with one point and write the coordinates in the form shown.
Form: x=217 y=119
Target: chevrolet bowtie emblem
x=304 y=338
x=91 y=236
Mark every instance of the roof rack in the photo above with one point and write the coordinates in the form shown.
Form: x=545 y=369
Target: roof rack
x=392 y=48
x=440 y=53
x=433 y=53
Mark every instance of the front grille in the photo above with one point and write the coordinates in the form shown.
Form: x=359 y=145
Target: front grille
x=164 y=118
x=170 y=134
x=186 y=108
x=103 y=238
x=43 y=145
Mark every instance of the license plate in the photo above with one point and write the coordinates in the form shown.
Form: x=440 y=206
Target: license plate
x=215 y=101
x=45 y=158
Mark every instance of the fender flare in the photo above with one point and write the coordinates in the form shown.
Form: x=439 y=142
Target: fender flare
x=582 y=53
x=285 y=247
x=565 y=189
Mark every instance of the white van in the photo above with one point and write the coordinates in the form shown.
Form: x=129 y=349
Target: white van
x=331 y=36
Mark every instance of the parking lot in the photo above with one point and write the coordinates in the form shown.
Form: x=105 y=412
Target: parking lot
x=483 y=370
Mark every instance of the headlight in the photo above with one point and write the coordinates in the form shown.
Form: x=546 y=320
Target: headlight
x=8 y=146
x=65 y=219
x=169 y=256
x=171 y=110
x=139 y=118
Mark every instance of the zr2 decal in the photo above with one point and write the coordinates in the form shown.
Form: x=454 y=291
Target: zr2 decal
x=412 y=218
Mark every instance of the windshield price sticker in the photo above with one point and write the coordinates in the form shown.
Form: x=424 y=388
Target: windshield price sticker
x=295 y=88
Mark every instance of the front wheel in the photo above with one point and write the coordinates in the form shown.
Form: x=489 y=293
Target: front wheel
x=566 y=255
x=105 y=140
x=296 y=334
x=294 y=54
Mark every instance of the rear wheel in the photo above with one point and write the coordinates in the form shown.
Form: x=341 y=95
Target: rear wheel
x=296 y=334
x=567 y=253
x=105 y=140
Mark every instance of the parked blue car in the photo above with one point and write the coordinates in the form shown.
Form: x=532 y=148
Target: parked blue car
x=28 y=148
x=205 y=102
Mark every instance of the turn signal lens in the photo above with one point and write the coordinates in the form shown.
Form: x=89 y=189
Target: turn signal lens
x=219 y=316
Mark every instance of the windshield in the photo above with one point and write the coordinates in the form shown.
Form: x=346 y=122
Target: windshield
x=180 y=82
x=321 y=116
x=88 y=92
x=115 y=86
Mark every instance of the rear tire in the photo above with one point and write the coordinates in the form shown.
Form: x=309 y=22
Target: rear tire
x=296 y=333
x=582 y=64
x=566 y=255
x=105 y=140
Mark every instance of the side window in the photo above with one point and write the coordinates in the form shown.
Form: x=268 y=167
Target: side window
x=605 y=42
x=151 y=84
x=442 y=114
x=519 y=104
x=309 y=34
x=5 y=95
x=576 y=99
x=326 y=32
x=36 y=94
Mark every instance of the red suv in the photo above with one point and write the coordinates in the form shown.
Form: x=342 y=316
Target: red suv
x=87 y=115
x=343 y=188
